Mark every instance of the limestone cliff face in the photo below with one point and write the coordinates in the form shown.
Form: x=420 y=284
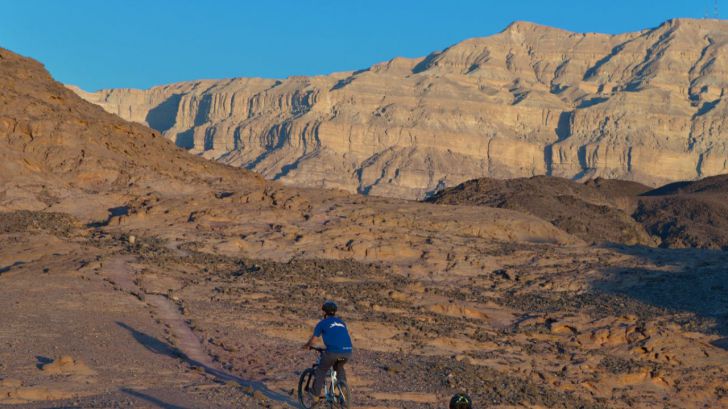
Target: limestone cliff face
x=530 y=100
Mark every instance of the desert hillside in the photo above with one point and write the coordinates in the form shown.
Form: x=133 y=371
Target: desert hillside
x=134 y=274
x=531 y=100
x=593 y=211
x=688 y=214
x=601 y=211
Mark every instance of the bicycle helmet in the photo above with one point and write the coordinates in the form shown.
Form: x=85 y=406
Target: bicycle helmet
x=329 y=308
x=461 y=401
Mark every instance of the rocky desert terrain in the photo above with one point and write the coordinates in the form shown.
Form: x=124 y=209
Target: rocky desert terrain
x=531 y=100
x=677 y=215
x=595 y=211
x=135 y=274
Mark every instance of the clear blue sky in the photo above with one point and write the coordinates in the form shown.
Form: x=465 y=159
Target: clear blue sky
x=140 y=43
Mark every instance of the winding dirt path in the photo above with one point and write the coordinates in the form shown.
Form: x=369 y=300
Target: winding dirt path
x=119 y=272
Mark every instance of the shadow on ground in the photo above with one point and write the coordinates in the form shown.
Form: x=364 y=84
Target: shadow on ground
x=160 y=347
x=150 y=399
x=8 y=268
x=42 y=361
x=693 y=281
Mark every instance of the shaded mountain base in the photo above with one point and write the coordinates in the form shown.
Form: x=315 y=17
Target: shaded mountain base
x=687 y=214
x=678 y=215
x=595 y=212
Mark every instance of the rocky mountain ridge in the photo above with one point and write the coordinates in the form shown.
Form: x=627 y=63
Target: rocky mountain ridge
x=531 y=100
x=678 y=215
x=592 y=211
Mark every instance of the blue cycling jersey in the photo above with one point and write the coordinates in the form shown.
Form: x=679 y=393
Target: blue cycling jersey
x=335 y=334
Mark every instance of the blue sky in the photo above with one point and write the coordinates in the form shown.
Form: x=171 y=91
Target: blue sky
x=141 y=43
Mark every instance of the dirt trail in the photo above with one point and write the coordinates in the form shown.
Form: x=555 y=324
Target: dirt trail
x=186 y=341
x=120 y=272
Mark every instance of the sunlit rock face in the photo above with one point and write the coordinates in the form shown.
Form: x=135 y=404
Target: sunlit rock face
x=530 y=100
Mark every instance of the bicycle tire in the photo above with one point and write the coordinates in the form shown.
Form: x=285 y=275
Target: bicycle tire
x=344 y=395
x=304 y=383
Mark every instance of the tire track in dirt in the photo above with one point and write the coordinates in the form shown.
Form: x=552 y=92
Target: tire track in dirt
x=119 y=272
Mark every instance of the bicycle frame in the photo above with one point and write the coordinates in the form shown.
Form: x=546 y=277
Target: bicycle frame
x=329 y=393
x=330 y=387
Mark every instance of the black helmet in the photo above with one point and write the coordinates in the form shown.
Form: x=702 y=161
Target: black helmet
x=461 y=401
x=329 y=308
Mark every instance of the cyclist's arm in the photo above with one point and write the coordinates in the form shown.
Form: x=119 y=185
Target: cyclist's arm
x=309 y=344
x=317 y=332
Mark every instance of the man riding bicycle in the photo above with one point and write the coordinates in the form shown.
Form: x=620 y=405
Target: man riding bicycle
x=336 y=337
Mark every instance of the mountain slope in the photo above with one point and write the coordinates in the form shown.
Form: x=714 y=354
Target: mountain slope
x=677 y=215
x=688 y=214
x=531 y=100
x=59 y=152
x=595 y=212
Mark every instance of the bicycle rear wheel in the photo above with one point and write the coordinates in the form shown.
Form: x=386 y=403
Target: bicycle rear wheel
x=305 y=383
x=342 y=395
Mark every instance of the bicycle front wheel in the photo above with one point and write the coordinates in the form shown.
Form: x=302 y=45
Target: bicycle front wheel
x=342 y=396
x=305 y=383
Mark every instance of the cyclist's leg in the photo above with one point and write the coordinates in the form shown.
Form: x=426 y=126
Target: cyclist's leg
x=324 y=365
x=340 y=371
x=339 y=366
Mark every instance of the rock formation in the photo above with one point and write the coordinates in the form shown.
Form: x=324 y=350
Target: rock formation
x=135 y=274
x=531 y=100
x=688 y=214
x=594 y=212
x=678 y=215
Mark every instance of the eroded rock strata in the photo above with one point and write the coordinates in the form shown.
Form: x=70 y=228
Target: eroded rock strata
x=531 y=100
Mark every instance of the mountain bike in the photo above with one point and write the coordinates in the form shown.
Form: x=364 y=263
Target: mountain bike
x=335 y=390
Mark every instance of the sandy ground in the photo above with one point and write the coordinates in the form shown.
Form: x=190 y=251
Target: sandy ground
x=96 y=319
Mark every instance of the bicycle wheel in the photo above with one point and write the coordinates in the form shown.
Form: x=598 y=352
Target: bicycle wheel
x=342 y=395
x=304 y=384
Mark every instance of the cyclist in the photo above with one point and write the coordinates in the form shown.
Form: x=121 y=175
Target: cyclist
x=461 y=401
x=338 y=347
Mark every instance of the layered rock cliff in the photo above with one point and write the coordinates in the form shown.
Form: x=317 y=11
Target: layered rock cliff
x=530 y=100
